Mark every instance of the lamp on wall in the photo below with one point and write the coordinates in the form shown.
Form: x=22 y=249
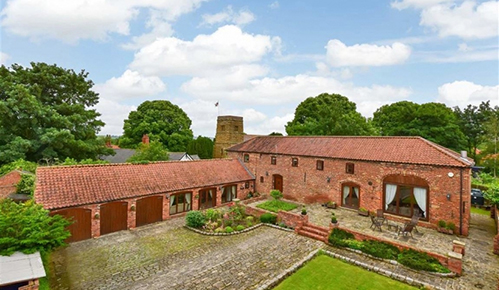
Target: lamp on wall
x=266 y=173
x=167 y=196
x=328 y=179
x=448 y=196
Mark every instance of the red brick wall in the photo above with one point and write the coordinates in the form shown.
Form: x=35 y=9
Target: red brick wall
x=33 y=285
x=242 y=193
x=306 y=184
x=291 y=219
x=496 y=238
x=8 y=183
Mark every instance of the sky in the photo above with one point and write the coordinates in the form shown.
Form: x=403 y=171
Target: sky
x=260 y=59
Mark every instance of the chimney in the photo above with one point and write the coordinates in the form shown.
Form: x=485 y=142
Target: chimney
x=464 y=154
x=108 y=141
x=145 y=139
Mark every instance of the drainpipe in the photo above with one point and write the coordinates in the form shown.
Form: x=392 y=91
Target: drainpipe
x=461 y=205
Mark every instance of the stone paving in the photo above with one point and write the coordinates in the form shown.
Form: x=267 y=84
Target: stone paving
x=168 y=256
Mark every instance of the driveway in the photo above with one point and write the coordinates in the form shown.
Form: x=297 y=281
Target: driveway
x=167 y=256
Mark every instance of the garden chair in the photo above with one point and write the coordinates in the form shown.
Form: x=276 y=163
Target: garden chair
x=375 y=223
x=380 y=216
x=406 y=229
x=414 y=221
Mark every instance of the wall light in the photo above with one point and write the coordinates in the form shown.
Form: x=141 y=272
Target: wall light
x=328 y=179
x=448 y=196
x=266 y=173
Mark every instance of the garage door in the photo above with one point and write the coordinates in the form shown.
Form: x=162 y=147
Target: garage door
x=113 y=217
x=81 y=228
x=149 y=210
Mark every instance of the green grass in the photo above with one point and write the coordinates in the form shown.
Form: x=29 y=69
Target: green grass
x=324 y=272
x=276 y=205
x=480 y=211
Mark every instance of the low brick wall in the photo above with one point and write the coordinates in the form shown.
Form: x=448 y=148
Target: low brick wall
x=33 y=285
x=254 y=199
x=496 y=238
x=256 y=212
x=453 y=262
x=291 y=219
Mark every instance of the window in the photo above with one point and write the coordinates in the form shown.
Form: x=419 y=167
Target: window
x=246 y=157
x=294 y=162
x=273 y=160
x=261 y=179
x=229 y=193
x=406 y=200
x=236 y=128
x=320 y=165
x=223 y=127
x=207 y=198
x=350 y=168
x=246 y=184
x=351 y=195
x=180 y=202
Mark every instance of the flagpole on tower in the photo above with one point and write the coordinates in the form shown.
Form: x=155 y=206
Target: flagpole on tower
x=218 y=107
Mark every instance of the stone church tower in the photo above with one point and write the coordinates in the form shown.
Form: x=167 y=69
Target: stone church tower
x=230 y=132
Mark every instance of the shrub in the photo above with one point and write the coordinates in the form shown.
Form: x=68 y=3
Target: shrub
x=250 y=218
x=219 y=230
x=303 y=211
x=229 y=230
x=276 y=194
x=380 y=249
x=451 y=226
x=421 y=261
x=333 y=219
x=441 y=224
x=354 y=244
x=212 y=214
x=195 y=219
x=249 y=224
x=240 y=228
x=276 y=205
x=268 y=218
x=338 y=238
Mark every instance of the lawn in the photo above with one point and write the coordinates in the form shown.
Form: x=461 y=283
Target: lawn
x=480 y=211
x=324 y=272
x=276 y=205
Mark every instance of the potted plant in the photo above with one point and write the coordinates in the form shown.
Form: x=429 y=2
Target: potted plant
x=363 y=211
x=334 y=219
x=446 y=228
x=331 y=204
x=304 y=211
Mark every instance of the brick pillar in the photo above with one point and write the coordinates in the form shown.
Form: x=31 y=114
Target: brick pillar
x=496 y=244
x=458 y=247
x=95 y=221
x=455 y=262
x=132 y=214
x=166 y=208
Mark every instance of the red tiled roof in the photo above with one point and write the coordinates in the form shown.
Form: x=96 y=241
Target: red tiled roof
x=66 y=186
x=414 y=150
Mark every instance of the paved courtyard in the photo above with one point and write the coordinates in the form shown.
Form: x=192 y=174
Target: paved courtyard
x=167 y=256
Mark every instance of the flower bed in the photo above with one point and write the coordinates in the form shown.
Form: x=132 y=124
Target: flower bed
x=277 y=205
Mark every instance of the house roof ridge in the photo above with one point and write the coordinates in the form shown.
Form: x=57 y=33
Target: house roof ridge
x=446 y=151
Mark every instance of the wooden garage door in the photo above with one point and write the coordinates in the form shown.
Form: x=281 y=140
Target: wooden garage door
x=113 y=217
x=81 y=228
x=149 y=210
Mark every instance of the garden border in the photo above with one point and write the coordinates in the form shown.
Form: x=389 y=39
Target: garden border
x=238 y=232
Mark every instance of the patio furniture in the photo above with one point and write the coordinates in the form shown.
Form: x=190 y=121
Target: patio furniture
x=414 y=221
x=406 y=229
x=380 y=216
x=392 y=224
x=375 y=223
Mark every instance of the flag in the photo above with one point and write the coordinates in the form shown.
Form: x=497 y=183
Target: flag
x=216 y=104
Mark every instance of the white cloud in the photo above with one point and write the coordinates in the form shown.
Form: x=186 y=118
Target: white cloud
x=130 y=85
x=114 y=115
x=204 y=55
x=70 y=21
x=3 y=58
x=338 y=54
x=463 y=93
x=464 y=53
x=274 y=5
x=464 y=47
x=418 y=4
x=244 y=16
x=159 y=26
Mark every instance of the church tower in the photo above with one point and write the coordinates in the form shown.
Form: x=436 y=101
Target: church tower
x=230 y=132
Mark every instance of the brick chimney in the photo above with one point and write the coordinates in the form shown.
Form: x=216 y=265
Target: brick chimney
x=108 y=141
x=145 y=139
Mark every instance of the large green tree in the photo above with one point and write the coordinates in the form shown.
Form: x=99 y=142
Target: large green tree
x=433 y=121
x=202 y=146
x=154 y=151
x=46 y=113
x=328 y=114
x=472 y=120
x=162 y=121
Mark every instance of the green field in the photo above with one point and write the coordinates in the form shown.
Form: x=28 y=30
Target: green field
x=324 y=272
x=480 y=211
x=276 y=205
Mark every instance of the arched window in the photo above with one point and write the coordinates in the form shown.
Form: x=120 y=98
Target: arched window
x=406 y=196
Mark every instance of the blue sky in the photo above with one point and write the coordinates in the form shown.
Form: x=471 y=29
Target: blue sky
x=260 y=59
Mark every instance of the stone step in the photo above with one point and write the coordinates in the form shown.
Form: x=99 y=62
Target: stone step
x=315 y=229
x=312 y=235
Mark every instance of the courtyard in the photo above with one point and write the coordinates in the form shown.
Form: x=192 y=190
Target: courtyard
x=166 y=255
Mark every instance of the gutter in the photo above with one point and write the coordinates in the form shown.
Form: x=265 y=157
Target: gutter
x=461 y=208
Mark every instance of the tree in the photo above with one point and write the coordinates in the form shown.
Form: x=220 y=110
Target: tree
x=162 y=121
x=491 y=156
x=154 y=151
x=472 y=122
x=275 y=134
x=432 y=121
x=28 y=228
x=19 y=164
x=26 y=185
x=328 y=114
x=46 y=113
x=202 y=146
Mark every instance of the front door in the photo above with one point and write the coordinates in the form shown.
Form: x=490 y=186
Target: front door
x=207 y=198
x=351 y=195
x=277 y=182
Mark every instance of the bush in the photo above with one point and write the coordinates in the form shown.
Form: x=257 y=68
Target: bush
x=240 y=228
x=421 y=261
x=268 y=218
x=276 y=194
x=380 y=249
x=441 y=224
x=451 y=226
x=276 y=205
x=250 y=219
x=219 y=230
x=213 y=214
x=229 y=230
x=249 y=224
x=195 y=219
x=339 y=238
